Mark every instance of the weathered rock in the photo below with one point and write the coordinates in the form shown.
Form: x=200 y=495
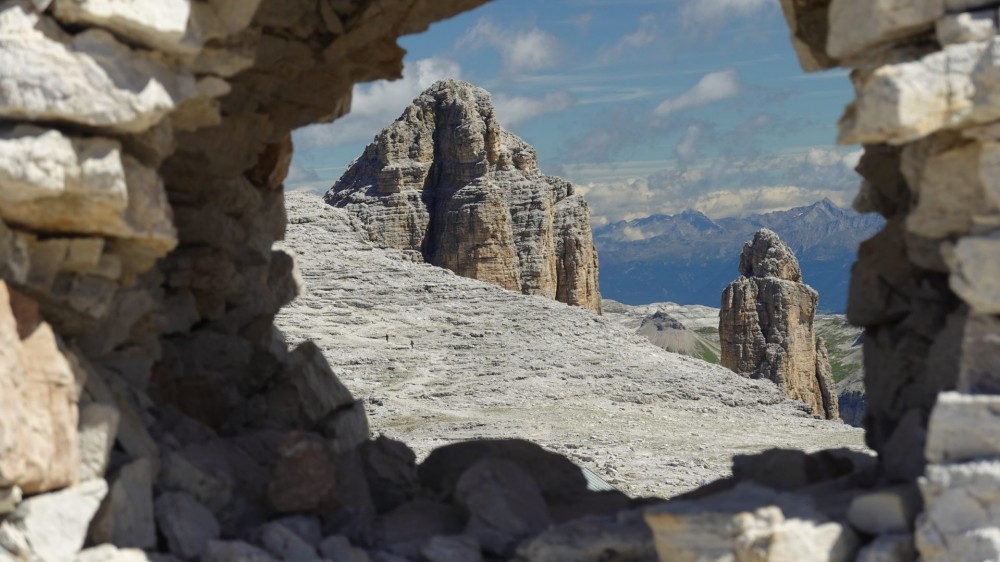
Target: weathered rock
x=504 y=504
x=979 y=372
x=188 y=526
x=891 y=510
x=126 y=516
x=457 y=548
x=966 y=26
x=9 y=498
x=306 y=528
x=963 y=427
x=959 y=522
x=38 y=410
x=391 y=471
x=407 y=529
x=858 y=25
x=450 y=183
x=896 y=547
x=234 y=551
x=284 y=544
x=98 y=428
x=747 y=523
x=624 y=537
x=89 y=79
x=110 y=553
x=975 y=273
x=55 y=525
x=304 y=475
x=766 y=325
x=809 y=24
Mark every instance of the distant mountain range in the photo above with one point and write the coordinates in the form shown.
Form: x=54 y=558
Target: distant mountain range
x=689 y=258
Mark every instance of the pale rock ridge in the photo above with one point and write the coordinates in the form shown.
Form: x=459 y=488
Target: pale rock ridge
x=766 y=326
x=446 y=182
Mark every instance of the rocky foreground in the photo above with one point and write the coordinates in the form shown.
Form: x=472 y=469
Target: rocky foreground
x=468 y=360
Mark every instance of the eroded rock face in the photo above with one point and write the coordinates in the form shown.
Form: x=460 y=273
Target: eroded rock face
x=766 y=326
x=446 y=181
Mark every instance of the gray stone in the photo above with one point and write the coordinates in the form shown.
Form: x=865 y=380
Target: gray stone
x=347 y=427
x=234 y=551
x=187 y=525
x=391 y=471
x=504 y=504
x=748 y=521
x=9 y=498
x=891 y=510
x=966 y=26
x=975 y=272
x=126 y=516
x=979 y=371
x=895 y=547
x=83 y=90
x=457 y=548
x=284 y=544
x=98 y=428
x=336 y=548
x=110 y=553
x=959 y=522
x=964 y=427
x=307 y=528
x=406 y=529
x=859 y=25
x=55 y=524
x=624 y=536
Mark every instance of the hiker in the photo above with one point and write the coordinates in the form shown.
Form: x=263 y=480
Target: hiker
x=387 y=338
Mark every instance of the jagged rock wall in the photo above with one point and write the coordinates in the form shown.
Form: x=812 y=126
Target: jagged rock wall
x=766 y=326
x=142 y=154
x=448 y=183
x=925 y=288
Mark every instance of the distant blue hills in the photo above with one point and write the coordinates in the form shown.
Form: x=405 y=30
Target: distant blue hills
x=689 y=258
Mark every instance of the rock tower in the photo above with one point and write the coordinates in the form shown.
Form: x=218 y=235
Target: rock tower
x=766 y=325
x=445 y=180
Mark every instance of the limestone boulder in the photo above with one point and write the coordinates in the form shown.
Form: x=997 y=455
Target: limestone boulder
x=125 y=518
x=54 y=526
x=38 y=402
x=959 y=521
x=187 y=525
x=447 y=181
x=87 y=79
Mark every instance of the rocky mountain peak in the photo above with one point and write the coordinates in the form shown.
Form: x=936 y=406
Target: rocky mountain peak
x=766 y=326
x=447 y=183
x=767 y=256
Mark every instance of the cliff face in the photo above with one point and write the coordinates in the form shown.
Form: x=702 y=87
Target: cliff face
x=445 y=180
x=766 y=325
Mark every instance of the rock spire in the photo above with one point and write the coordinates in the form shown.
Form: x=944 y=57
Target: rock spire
x=766 y=325
x=445 y=180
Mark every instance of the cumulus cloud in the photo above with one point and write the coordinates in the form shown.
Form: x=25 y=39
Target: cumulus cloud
x=712 y=87
x=711 y=13
x=695 y=136
x=376 y=105
x=514 y=110
x=521 y=50
x=646 y=33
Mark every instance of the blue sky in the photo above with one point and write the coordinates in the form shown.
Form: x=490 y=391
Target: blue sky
x=648 y=106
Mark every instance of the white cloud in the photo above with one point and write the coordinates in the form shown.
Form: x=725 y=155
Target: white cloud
x=521 y=50
x=712 y=87
x=514 y=110
x=711 y=13
x=687 y=148
x=646 y=33
x=376 y=105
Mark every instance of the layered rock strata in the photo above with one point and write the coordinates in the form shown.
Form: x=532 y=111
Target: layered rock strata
x=447 y=182
x=766 y=326
x=925 y=289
